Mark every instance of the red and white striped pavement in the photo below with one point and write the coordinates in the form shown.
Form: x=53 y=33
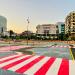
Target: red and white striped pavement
x=59 y=46
x=9 y=48
x=37 y=65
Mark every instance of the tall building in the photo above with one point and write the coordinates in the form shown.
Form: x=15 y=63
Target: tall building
x=46 y=29
x=70 y=24
x=3 y=24
x=61 y=27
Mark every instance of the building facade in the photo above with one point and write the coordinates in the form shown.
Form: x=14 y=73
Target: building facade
x=70 y=24
x=47 y=30
x=61 y=27
x=3 y=24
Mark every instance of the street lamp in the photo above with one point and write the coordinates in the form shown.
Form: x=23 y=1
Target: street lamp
x=27 y=29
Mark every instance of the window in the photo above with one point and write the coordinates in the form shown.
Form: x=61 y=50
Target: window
x=73 y=23
x=73 y=20
x=46 y=31
x=73 y=13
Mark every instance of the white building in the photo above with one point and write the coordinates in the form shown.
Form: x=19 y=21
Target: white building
x=3 y=24
x=6 y=33
x=46 y=29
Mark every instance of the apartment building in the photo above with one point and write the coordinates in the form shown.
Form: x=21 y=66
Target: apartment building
x=70 y=24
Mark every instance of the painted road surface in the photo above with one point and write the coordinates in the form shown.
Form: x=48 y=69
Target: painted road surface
x=73 y=51
x=10 y=48
x=40 y=64
x=36 y=65
x=59 y=51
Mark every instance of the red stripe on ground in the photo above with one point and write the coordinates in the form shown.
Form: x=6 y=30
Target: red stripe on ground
x=64 y=67
x=45 y=67
x=27 y=66
x=10 y=59
x=7 y=56
x=15 y=63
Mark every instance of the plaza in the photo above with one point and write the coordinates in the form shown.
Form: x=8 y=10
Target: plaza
x=35 y=53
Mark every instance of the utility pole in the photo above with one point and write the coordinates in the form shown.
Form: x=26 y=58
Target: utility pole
x=27 y=28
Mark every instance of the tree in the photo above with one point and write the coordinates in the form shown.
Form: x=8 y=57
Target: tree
x=11 y=33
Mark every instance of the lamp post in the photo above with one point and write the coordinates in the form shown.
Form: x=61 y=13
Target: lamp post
x=27 y=29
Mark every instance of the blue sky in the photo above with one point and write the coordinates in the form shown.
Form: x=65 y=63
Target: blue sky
x=39 y=11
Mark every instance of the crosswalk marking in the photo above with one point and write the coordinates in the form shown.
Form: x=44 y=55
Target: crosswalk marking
x=4 y=58
x=9 y=48
x=27 y=66
x=37 y=66
x=71 y=67
x=45 y=67
x=14 y=68
x=11 y=61
x=54 y=68
x=64 y=67
x=59 y=46
x=15 y=63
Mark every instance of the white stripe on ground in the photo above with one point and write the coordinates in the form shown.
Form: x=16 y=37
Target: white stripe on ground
x=11 y=56
x=13 y=60
x=37 y=66
x=65 y=46
x=56 y=46
x=19 y=53
x=71 y=67
x=14 y=68
x=53 y=70
x=61 y=46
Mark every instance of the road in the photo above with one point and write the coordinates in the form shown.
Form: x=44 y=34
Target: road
x=54 y=51
x=73 y=52
x=51 y=50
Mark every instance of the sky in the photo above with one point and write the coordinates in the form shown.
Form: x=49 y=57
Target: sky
x=38 y=11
